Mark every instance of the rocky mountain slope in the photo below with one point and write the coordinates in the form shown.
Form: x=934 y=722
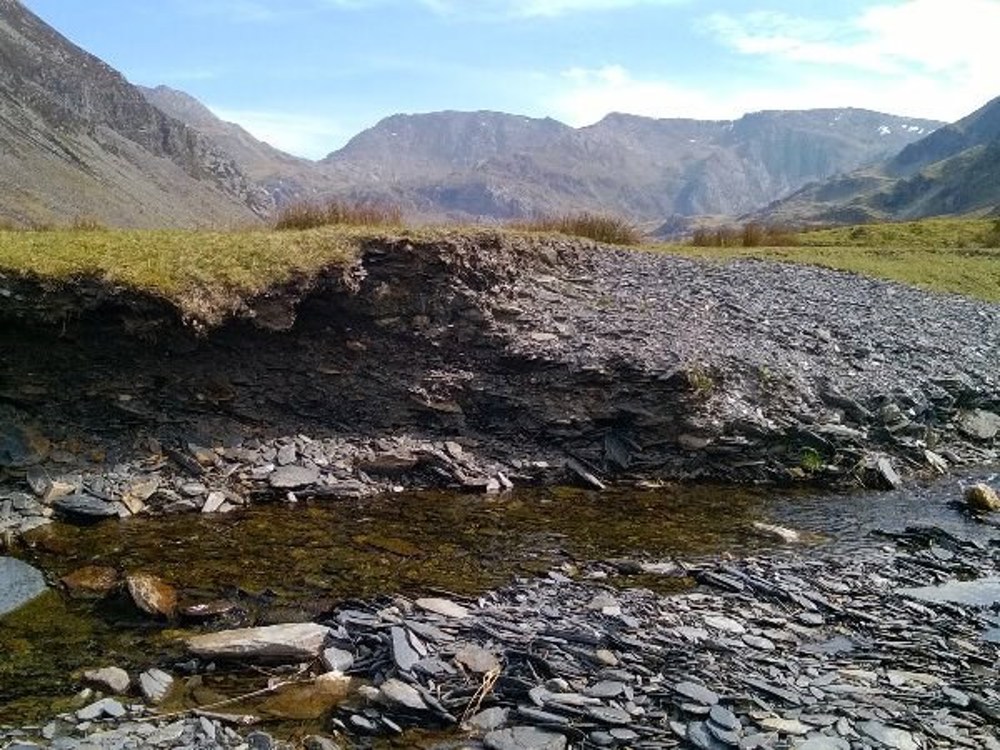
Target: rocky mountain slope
x=78 y=141
x=462 y=165
x=954 y=170
x=490 y=164
x=285 y=178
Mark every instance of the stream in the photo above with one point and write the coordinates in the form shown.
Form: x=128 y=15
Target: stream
x=288 y=563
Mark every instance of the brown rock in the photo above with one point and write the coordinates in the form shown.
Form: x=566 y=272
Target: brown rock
x=982 y=498
x=310 y=700
x=92 y=580
x=152 y=595
x=390 y=462
x=292 y=642
x=135 y=495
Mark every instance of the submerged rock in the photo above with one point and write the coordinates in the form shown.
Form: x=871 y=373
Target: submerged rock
x=19 y=584
x=90 y=580
x=152 y=595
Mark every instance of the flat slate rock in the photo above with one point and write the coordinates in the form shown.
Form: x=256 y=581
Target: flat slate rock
x=700 y=737
x=85 y=508
x=19 y=584
x=400 y=693
x=824 y=743
x=524 y=738
x=155 y=684
x=444 y=607
x=696 y=693
x=897 y=739
x=293 y=477
x=295 y=642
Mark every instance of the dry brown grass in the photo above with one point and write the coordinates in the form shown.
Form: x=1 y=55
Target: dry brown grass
x=307 y=215
x=750 y=235
x=612 y=230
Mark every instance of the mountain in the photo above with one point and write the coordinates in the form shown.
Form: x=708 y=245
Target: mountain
x=490 y=164
x=285 y=178
x=954 y=170
x=78 y=141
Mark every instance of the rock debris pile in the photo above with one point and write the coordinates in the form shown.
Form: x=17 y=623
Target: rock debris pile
x=790 y=651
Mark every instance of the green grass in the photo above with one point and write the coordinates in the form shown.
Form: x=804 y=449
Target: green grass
x=929 y=234
x=944 y=255
x=205 y=274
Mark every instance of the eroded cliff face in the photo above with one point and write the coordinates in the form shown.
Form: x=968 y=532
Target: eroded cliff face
x=480 y=361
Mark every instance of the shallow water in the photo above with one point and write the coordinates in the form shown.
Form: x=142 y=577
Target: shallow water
x=285 y=563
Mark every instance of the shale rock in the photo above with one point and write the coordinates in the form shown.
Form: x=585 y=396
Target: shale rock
x=295 y=642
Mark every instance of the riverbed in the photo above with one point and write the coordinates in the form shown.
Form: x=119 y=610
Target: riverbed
x=295 y=562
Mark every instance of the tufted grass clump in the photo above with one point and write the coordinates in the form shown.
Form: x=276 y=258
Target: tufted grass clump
x=307 y=215
x=612 y=230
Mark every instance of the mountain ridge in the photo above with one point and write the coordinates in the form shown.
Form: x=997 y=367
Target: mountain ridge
x=953 y=171
x=80 y=141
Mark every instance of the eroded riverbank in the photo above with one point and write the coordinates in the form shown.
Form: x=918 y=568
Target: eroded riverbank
x=482 y=365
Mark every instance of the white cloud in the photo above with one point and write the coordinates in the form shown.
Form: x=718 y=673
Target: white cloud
x=530 y=8
x=585 y=96
x=937 y=56
x=310 y=136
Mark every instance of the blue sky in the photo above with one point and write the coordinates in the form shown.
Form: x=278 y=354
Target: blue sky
x=305 y=75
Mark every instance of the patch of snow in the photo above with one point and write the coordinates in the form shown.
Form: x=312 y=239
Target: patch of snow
x=915 y=129
x=884 y=130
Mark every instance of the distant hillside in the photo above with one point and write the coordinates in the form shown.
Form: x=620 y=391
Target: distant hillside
x=954 y=170
x=285 y=178
x=490 y=164
x=77 y=140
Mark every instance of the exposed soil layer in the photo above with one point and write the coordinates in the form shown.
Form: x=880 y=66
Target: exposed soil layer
x=471 y=361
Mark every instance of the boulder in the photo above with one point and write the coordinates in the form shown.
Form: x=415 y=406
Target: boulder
x=979 y=424
x=19 y=584
x=982 y=498
x=294 y=642
x=152 y=595
x=110 y=679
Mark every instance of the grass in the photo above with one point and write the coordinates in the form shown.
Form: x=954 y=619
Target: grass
x=608 y=229
x=944 y=255
x=300 y=216
x=205 y=274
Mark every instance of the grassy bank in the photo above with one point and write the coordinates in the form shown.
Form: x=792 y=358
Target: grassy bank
x=944 y=255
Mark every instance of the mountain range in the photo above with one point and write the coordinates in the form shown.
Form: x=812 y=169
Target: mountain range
x=79 y=141
x=953 y=171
